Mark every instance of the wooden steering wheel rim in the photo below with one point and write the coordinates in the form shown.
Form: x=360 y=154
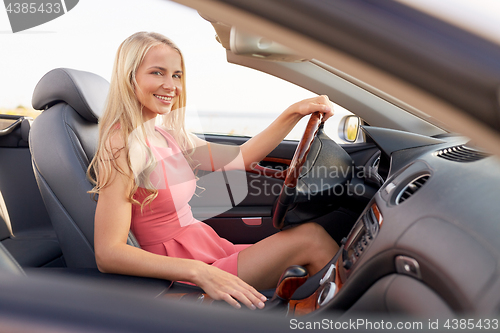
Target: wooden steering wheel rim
x=300 y=156
x=288 y=191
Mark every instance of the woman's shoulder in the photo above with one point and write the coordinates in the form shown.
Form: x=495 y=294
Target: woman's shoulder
x=116 y=140
x=113 y=152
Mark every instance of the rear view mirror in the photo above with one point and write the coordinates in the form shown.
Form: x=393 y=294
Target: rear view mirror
x=242 y=43
x=350 y=129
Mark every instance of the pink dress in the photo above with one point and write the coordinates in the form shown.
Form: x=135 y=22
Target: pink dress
x=167 y=226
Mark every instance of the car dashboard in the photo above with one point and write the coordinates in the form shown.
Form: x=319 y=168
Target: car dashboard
x=427 y=242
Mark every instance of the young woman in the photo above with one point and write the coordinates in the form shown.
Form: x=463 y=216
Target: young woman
x=137 y=166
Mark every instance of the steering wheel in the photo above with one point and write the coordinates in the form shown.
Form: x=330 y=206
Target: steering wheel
x=306 y=184
x=288 y=192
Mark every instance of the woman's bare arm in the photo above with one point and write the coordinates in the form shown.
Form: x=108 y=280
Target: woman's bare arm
x=259 y=146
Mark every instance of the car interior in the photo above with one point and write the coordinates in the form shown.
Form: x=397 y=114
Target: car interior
x=412 y=205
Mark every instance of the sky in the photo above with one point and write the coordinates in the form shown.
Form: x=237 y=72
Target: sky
x=87 y=37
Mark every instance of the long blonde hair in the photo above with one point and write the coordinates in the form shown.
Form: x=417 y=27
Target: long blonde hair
x=123 y=117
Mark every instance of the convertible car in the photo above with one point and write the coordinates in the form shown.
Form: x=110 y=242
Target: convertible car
x=410 y=191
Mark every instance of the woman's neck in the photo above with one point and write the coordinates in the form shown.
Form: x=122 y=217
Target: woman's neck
x=149 y=125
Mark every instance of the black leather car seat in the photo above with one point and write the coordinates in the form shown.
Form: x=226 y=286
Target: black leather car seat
x=63 y=141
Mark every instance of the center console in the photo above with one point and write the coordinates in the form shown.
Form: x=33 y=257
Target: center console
x=353 y=247
x=359 y=239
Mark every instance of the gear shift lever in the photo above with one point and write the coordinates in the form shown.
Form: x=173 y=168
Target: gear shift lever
x=291 y=279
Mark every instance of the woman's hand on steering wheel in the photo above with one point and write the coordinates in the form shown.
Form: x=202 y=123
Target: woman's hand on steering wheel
x=307 y=106
x=224 y=286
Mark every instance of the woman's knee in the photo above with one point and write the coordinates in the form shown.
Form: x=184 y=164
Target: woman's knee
x=317 y=246
x=312 y=228
x=312 y=232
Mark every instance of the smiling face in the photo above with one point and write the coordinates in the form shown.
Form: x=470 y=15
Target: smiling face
x=159 y=81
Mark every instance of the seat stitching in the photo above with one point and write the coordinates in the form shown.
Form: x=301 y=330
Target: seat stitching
x=73 y=144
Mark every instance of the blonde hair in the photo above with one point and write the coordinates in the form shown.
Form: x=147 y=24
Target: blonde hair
x=123 y=118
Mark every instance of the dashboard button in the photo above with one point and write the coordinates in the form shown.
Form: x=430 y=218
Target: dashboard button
x=408 y=266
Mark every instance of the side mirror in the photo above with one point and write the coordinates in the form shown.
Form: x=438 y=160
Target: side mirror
x=350 y=128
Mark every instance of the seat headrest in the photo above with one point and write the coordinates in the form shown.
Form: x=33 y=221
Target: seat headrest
x=83 y=91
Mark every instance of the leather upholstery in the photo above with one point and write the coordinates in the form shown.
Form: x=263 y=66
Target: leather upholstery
x=85 y=92
x=63 y=140
x=8 y=263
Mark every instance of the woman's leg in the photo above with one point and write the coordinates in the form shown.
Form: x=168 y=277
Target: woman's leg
x=309 y=245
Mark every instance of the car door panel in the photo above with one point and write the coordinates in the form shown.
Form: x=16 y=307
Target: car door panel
x=228 y=219
x=26 y=230
x=249 y=220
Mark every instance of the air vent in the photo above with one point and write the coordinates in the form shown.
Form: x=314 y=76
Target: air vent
x=411 y=188
x=461 y=154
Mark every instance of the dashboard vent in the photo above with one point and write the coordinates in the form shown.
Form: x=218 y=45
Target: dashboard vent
x=411 y=188
x=461 y=154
